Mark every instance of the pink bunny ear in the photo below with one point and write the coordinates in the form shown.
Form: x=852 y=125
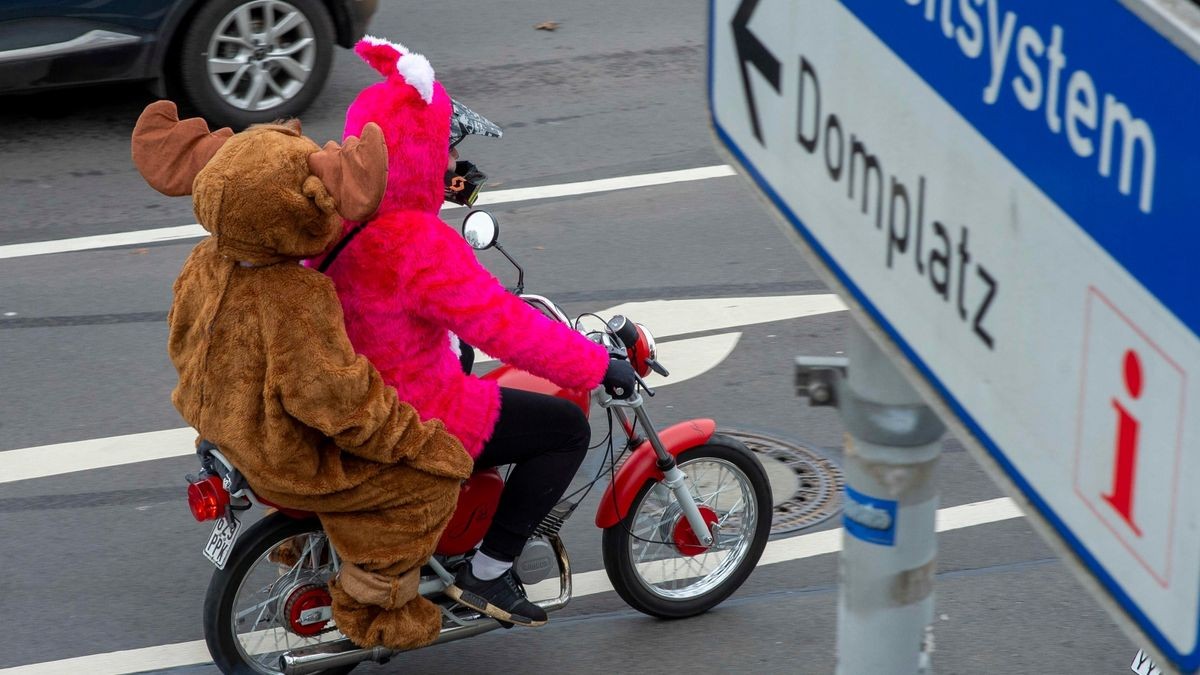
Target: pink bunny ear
x=380 y=54
x=393 y=59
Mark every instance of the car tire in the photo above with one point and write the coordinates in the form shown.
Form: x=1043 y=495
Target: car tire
x=245 y=62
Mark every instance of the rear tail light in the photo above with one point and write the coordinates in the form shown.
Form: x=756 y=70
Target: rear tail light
x=208 y=498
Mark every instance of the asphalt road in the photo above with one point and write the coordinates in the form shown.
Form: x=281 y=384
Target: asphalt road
x=108 y=560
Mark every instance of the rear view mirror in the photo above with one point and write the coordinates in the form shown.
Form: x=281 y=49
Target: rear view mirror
x=480 y=230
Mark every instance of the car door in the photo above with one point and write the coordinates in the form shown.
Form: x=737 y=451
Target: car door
x=46 y=43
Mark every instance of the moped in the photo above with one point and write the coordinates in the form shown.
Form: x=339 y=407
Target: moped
x=685 y=516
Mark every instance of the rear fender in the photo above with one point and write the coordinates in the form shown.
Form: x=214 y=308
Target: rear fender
x=642 y=466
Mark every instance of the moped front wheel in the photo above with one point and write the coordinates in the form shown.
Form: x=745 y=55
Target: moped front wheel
x=271 y=597
x=654 y=559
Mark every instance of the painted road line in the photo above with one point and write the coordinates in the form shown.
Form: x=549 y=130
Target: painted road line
x=602 y=185
x=686 y=358
x=102 y=241
x=96 y=453
x=665 y=318
x=583 y=584
x=498 y=197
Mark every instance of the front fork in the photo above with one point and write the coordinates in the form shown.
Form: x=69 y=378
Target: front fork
x=673 y=478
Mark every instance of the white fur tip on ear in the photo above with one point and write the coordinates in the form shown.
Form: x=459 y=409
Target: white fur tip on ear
x=415 y=70
x=411 y=66
x=372 y=40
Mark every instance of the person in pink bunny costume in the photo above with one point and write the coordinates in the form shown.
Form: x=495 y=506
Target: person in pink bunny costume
x=410 y=285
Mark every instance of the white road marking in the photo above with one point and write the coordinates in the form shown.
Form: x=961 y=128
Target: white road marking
x=102 y=241
x=686 y=359
x=498 y=197
x=584 y=584
x=665 y=318
x=127 y=661
x=602 y=185
x=96 y=453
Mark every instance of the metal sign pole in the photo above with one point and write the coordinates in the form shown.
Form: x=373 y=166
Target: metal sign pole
x=889 y=552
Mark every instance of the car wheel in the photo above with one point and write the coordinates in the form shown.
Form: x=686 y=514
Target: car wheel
x=250 y=61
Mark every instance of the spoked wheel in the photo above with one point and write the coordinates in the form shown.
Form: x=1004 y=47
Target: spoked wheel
x=271 y=597
x=656 y=562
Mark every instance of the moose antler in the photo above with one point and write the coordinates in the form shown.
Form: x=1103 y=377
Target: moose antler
x=354 y=173
x=169 y=152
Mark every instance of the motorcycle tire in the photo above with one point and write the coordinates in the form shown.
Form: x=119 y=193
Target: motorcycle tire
x=253 y=544
x=628 y=571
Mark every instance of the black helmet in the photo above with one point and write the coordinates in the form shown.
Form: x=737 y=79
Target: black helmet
x=464 y=181
x=465 y=122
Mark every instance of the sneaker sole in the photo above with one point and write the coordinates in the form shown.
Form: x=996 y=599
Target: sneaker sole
x=480 y=604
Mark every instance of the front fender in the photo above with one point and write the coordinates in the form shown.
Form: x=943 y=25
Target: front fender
x=641 y=466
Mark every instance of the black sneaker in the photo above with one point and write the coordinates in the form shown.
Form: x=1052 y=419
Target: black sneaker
x=502 y=598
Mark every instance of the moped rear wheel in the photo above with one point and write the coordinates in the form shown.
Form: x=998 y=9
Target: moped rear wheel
x=278 y=571
x=655 y=561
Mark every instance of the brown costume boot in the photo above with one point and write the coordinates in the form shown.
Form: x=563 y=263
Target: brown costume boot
x=374 y=609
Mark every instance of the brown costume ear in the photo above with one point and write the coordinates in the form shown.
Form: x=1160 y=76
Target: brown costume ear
x=169 y=153
x=355 y=173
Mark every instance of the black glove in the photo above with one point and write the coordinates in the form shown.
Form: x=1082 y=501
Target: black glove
x=619 y=381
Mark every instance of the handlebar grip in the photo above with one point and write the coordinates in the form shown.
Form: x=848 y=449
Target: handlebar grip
x=624 y=329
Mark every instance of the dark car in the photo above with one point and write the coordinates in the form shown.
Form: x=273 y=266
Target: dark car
x=236 y=62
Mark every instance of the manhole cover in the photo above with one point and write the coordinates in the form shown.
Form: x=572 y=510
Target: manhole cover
x=816 y=482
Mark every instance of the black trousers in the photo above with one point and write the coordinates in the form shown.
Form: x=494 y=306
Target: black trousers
x=546 y=439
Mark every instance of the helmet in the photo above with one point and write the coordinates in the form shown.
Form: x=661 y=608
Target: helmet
x=464 y=122
x=465 y=180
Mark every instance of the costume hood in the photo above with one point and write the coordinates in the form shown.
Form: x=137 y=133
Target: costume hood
x=414 y=111
x=268 y=194
x=256 y=198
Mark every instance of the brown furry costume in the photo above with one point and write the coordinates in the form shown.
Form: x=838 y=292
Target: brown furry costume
x=266 y=371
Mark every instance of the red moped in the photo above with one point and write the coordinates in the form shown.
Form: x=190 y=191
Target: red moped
x=685 y=517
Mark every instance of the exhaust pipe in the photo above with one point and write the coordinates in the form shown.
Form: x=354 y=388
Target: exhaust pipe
x=338 y=653
x=331 y=655
x=343 y=652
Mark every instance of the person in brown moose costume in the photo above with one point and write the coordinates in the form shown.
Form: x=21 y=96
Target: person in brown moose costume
x=267 y=373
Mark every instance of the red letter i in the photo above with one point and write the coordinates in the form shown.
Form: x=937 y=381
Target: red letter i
x=1125 y=469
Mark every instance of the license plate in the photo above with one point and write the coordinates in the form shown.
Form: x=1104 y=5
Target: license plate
x=220 y=544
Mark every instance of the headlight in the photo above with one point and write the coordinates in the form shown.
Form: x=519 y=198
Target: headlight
x=651 y=346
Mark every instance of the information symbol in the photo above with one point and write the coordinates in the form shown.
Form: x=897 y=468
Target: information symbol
x=1125 y=468
x=1129 y=442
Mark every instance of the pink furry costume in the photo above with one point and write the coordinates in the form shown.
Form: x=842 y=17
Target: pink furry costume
x=408 y=281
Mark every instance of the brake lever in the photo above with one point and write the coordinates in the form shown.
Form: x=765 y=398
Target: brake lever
x=657 y=367
x=646 y=387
